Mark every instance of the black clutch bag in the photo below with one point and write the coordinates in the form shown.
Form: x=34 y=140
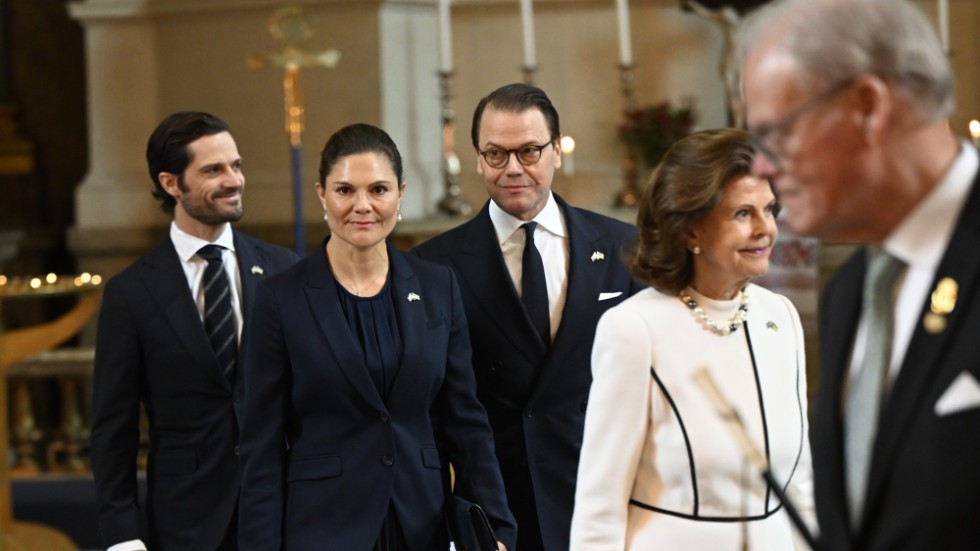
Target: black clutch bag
x=469 y=527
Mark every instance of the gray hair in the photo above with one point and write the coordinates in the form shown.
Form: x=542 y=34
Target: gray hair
x=836 y=40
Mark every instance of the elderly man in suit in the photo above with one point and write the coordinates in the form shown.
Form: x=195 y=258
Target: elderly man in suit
x=167 y=338
x=535 y=274
x=848 y=101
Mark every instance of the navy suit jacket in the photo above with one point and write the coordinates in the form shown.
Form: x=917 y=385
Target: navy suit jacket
x=151 y=347
x=323 y=454
x=536 y=398
x=924 y=484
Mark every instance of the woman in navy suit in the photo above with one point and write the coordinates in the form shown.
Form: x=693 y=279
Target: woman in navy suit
x=358 y=382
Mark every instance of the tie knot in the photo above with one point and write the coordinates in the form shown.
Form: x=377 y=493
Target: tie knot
x=529 y=231
x=210 y=252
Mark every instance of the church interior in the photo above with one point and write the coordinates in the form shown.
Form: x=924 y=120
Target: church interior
x=84 y=82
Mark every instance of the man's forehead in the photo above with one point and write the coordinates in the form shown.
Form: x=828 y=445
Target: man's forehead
x=504 y=124
x=772 y=79
x=213 y=145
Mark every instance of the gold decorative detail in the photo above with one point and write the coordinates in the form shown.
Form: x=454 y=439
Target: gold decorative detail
x=942 y=303
x=934 y=323
x=291 y=25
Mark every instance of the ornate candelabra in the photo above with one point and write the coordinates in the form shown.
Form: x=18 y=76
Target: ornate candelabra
x=630 y=193
x=453 y=203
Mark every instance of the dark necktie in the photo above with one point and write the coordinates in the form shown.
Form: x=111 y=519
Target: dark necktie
x=534 y=290
x=219 y=317
x=864 y=397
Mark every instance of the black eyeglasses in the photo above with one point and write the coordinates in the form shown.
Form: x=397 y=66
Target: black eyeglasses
x=526 y=155
x=769 y=139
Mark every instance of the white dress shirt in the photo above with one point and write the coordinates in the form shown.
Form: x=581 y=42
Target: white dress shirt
x=920 y=241
x=187 y=246
x=551 y=239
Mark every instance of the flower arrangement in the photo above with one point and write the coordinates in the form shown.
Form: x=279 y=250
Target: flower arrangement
x=649 y=131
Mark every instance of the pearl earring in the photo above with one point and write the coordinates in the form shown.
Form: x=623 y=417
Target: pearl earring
x=696 y=250
x=399 y=217
x=324 y=216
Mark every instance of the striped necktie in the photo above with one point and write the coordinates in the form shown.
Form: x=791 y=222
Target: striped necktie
x=219 y=317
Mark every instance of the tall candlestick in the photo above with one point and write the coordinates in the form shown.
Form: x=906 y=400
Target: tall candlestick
x=527 y=26
x=623 y=22
x=975 y=132
x=943 y=6
x=445 y=38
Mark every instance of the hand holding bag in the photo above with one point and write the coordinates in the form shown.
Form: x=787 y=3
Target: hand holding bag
x=469 y=527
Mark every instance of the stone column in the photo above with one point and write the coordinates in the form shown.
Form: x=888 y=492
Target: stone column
x=113 y=212
x=123 y=108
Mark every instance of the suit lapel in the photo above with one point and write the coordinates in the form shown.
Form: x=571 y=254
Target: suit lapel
x=840 y=313
x=409 y=302
x=924 y=360
x=250 y=268
x=322 y=296
x=166 y=284
x=481 y=267
x=585 y=272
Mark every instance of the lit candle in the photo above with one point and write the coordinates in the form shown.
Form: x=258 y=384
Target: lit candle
x=445 y=38
x=527 y=25
x=975 y=132
x=567 y=161
x=623 y=22
x=943 y=6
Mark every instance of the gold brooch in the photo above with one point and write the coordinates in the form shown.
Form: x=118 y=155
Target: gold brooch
x=943 y=300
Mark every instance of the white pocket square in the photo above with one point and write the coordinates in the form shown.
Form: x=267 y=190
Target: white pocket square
x=607 y=296
x=962 y=394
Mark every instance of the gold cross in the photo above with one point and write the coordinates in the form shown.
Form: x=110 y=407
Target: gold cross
x=292 y=26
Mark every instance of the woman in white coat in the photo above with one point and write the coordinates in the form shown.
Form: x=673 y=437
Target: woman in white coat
x=659 y=468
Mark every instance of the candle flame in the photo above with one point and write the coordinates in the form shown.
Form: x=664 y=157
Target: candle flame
x=567 y=144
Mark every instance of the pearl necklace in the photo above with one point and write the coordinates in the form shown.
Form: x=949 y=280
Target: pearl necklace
x=712 y=325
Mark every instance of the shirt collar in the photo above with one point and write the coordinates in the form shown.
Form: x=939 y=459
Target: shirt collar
x=921 y=238
x=187 y=245
x=549 y=219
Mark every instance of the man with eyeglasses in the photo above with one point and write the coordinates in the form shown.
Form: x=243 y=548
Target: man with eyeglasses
x=532 y=348
x=848 y=102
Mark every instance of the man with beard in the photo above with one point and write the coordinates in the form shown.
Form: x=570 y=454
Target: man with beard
x=168 y=338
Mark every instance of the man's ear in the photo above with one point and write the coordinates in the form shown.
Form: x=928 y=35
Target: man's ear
x=168 y=181
x=876 y=102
